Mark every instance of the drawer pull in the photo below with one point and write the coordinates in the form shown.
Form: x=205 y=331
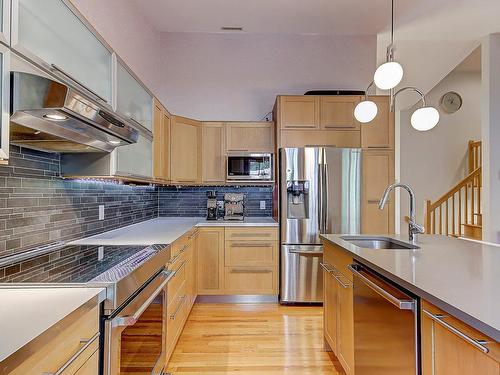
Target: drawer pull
x=332 y=271
x=86 y=343
x=251 y=235
x=251 y=245
x=439 y=318
x=250 y=271
x=174 y=259
x=183 y=298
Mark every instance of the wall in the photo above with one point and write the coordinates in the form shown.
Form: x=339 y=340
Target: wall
x=129 y=33
x=192 y=201
x=237 y=76
x=434 y=161
x=37 y=207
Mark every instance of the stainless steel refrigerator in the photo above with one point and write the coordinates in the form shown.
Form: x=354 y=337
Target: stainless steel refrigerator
x=320 y=192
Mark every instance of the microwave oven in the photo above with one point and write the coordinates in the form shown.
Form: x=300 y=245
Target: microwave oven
x=249 y=166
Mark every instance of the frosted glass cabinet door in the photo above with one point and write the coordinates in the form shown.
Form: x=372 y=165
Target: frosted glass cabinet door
x=136 y=159
x=5 y=21
x=132 y=100
x=4 y=103
x=51 y=34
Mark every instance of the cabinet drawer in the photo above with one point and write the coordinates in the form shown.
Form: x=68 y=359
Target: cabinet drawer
x=75 y=334
x=251 y=253
x=251 y=280
x=338 y=258
x=177 y=280
x=176 y=313
x=91 y=367
x=252 y=234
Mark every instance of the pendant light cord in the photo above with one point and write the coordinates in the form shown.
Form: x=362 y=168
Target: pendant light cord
x=392 y=22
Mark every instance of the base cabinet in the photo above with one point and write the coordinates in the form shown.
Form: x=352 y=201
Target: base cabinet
x=338 y=327
x=447 y=349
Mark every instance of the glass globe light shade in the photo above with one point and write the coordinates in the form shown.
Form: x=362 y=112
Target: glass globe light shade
x=388 y=75
x=365 y=111
x=425 y=118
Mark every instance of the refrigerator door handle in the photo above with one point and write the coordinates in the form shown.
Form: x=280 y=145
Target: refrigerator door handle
x=324 y=199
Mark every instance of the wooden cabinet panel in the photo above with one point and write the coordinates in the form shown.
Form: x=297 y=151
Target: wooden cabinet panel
x=345 y=346
x=330 y=310
x=304 y=138
x=161 y=143
x=251 y=253
x=176 y=317
x=252 y=233
x=379 y=133
x=90 y=367
x=446 y=353
x=337 y=112
x=210 y=261
x=378 y=174
x=250 y=136
x=186 y=148
x=214 y=152
x=251 y=280
x=299 y=112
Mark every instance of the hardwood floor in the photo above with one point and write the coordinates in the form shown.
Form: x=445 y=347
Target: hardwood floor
x=250 y=339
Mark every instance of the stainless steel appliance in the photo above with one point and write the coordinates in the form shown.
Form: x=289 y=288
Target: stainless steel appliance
x=134 y=312
x=320 y=192
x=234 y=207
x=211 y=205
x=249 y=166
x=385 y=326
x=50 y=116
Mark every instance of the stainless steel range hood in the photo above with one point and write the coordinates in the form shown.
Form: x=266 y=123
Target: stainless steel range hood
x=49 y=116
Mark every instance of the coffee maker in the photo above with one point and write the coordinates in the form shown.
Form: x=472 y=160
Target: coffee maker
x=234 y=206
x=211 y=205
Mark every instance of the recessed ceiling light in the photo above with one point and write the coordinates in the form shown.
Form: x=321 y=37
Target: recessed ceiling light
x=231 y=28
x=53 y=116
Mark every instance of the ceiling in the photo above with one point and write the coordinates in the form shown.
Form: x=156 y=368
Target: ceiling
x=323 y=17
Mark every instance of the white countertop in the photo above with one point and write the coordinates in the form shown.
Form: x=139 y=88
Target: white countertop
x=26 y=313
x=164 y=230
x=459 y=276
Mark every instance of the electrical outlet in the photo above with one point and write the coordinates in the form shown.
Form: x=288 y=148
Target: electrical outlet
x=100 y=253
x=262 y=205
x=101 y=212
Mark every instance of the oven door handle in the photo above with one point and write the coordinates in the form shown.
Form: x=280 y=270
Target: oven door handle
x=130 y=320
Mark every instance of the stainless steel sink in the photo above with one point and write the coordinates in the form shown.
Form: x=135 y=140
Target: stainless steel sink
x=378 y=243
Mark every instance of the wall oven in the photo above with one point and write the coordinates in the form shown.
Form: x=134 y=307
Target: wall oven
x=134 y=335
x=249 y=166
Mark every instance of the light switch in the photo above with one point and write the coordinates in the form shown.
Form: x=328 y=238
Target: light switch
x=262 y=205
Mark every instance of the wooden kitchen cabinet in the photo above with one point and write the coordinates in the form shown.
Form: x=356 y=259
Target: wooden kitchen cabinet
x=210 y=261
x=214 y=153
x=186 y=146
x=378 y=174
x=161 y=143
x=337 y=112
x=250 y=136
x=298 y=112
x=338 y=305
x=446 y=352
x=379 y=133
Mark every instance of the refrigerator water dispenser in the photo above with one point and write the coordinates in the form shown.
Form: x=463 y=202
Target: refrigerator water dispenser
x=298 y=199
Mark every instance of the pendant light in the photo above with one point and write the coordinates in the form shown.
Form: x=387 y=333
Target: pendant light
x=366 y=110
x=424 y=118
x=389 y=74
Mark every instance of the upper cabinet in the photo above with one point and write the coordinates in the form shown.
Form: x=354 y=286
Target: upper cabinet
x=132 y=99
x=5 y=21
x=299 y=112
x=49 y=33
x=379 y=133
x=186 y=145
x=336 y=112
x=135 y=160
x=161 y=143
x=4 y=103
x=250 y=136
x=214 y=153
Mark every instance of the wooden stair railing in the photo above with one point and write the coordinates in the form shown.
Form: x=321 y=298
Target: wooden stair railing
x=458 y=212
x=475 y=155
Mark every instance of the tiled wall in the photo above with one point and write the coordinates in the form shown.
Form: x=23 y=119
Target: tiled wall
x=192 y=201
x=37 y=207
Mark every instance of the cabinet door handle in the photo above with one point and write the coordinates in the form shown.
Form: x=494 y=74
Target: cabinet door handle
x=68 y=363
x=439 y=318
x=250 y=271
x=251 y=245
x=331 y=271
x=183 y=298
x=379 y=146
x=174 y=259
x=79 y=83
x=251 y=235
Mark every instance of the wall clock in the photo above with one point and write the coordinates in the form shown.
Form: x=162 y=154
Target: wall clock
x=451 y=102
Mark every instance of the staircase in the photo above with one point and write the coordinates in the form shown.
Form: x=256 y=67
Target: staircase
x=458 y=212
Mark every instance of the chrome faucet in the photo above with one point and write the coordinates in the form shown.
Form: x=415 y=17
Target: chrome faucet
x=413 y=227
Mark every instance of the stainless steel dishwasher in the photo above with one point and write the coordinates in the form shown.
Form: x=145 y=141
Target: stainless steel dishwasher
x=385 y=326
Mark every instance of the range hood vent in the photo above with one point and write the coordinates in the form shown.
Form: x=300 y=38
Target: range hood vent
x=49 y=116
